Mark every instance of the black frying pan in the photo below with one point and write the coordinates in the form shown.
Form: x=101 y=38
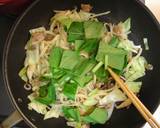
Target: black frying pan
x=38 y=14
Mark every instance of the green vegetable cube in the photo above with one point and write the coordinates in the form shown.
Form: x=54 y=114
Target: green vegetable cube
x=66 y=22
x=75 y=32
x=69 y=90
x=55 y=57
x=69 y=59
x=71 y=112
x=99 y=115
x=57 y=73
x=47 y=94
x=90 y=45
x=78 y=44
x=102 y=74
x=116 y=56
x=84 y=67
x=82 y=80
x=94 y=29
x=114 y=41
x=127 y=24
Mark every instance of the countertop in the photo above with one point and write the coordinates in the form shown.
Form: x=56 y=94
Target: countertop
x=154 y=6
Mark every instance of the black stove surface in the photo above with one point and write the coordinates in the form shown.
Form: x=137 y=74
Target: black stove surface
x=6 y=107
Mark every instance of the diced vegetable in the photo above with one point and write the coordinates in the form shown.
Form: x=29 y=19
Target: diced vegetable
x=93 y=92
x=23 y=74
x=37 y=30
x=76 y=32
x=145 y=41
x=32 y=96
x=128 y=45
x=134 y=86
x=43 y=91
x=32 y=56
x=91 y=100
x=94 y=29
x=127 y=25
x=134 y=76
x=83 y=80
x=84 y=15
x=47 y=94
x=136 y=70
x=58 y=73
x=102 y=74
x=55 y=57
x=63 y=80
x=47 y=76
x=124 y=104
x=116 y=60
x=116 y=56
x=88 y=119
x=70 y=112
x=106 y=61
x=66 y=22
x=38 y=107
x=99 y=115
x=78 y=44
x=69 y=60
x=70 y=90
x=86 y=110
x=114 y=41
x=63 y=19
x=67 y=17
x=110 y=110
x=115 y=96
x=90 y=45
x=55 y=112
x=84 y=67
x=97 y=66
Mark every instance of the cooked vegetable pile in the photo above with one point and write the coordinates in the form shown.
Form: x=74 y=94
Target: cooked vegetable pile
x=66 y=67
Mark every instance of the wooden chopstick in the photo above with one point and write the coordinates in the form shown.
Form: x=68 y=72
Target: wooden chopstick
x=137 y=103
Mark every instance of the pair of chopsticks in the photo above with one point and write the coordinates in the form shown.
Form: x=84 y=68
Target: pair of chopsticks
x=137 y=103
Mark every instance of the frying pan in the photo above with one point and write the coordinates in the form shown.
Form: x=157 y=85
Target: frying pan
x=38 y=14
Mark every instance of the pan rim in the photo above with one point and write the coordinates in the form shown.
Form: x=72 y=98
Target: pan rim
x=4 y=64
x=7 y=46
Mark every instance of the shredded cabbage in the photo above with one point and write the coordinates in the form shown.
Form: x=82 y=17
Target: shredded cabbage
x=54 y=112
x=115 y=96
x=134 y=86
x=38 y=107
x=128 y=46
x=136 y=70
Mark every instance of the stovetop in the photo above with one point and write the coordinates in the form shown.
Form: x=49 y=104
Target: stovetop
x=6 y=107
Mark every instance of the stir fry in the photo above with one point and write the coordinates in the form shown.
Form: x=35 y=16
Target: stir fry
x=66 y=67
